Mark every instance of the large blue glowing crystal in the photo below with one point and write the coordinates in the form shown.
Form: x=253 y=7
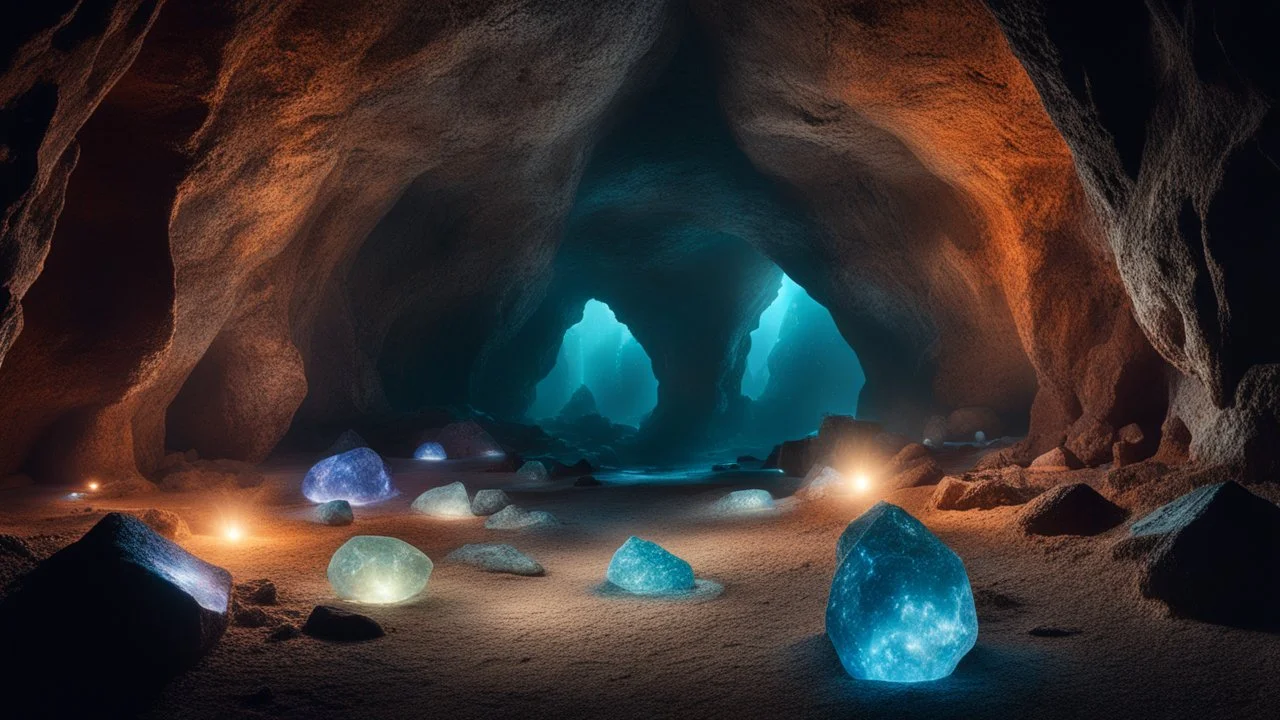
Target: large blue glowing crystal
x=358 y=476
x=900 y=609
x=430 y=451
x=645 y=568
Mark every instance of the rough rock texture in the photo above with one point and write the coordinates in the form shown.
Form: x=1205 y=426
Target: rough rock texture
x=335 y=512
x=167 y=523
x=1217 y=557
x=117 y=612
x=496 y=558
x=983 y=493
x=1169 y=110
x=279 y=215
x=1058 y=458
x=489 y=501
x=1072 y=509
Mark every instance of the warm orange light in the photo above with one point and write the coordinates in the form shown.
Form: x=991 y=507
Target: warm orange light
x=861 y=483
x=233 y=533
x=93 y=486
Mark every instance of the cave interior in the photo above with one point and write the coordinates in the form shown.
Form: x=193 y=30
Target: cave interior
x=518 y=296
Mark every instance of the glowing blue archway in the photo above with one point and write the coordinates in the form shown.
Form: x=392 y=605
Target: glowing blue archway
x=601 y=353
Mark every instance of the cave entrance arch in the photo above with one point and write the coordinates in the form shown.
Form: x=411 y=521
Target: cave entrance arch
x=799 y=367
x=599 y=353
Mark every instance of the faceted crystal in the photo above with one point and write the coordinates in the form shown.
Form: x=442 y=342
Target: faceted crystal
x=900 y=609
x=645 y=568
x=358 y=476
x=374 y=569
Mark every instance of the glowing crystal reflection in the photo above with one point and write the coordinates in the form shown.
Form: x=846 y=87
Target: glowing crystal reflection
x=358 y=476
x=900 y=609
x=430 y=451
x=645 y=568
x=375 y=569
x=449 y=501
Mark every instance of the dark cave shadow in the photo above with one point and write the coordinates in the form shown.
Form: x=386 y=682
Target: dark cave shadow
x=991 y=681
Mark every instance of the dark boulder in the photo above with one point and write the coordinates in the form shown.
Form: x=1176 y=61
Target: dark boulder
x=118 y=613
x=1217 y=558
x=257 y=592
x=725 y=467
x=1071 y=509
x=331 y=623
x=581 y=403
x=347 y=441
x=587 y=481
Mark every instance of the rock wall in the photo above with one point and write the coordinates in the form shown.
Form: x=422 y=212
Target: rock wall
x=311 y=211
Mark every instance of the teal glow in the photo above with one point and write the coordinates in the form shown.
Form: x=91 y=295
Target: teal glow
x=765 y=337
x=600 y=352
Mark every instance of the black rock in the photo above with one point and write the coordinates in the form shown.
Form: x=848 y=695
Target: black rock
x=331 y=623
x=1072 y=509
x=117 y=613
x=587 y=481
x=725 y=467
x=1218 y=557
x=748 y=459
x=348 y=440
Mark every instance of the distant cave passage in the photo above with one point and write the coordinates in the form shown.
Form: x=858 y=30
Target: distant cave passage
x=600 y=353
x=799 y=367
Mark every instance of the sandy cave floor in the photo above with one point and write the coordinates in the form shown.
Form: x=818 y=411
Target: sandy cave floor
x=481 y=645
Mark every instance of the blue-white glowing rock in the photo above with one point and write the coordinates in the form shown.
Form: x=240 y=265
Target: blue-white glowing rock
x=900 y=609
x=430 y=451
x=745 y=501
x=335 y=512
x=358 y=476
x=375 y=569
x=823 y=482
x=449 y=501
x=645 y=568
x=496 y=558
x=512 y=517
x=532 y=471
x=489 y=501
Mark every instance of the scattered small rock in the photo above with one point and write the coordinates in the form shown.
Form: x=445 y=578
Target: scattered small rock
x=330 y=623
x=335 y=512
x=532 y=471
x=1071 y=509
x=257 y=592
x=166 y=522
x=498 y=558
x=587 y=481
x=488 y=502
x=249 y=616
x=1057 y=459
x=513 y=517
x=286 y=631
x=725 y=467
x=984 y=493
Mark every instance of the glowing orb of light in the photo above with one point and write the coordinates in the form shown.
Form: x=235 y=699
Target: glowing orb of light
x=448 y=501
x=358 y=476
x=233 y=532
x=744 y=501
x=379 y=570
x=430 y=451
x=93 y=485
x=645 y=568
x=901 y=608
x=861 y=482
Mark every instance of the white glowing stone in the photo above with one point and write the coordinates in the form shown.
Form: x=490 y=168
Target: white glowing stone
x=901 y=608
x=375 y=569
x=448 y=501
x=744 y=501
